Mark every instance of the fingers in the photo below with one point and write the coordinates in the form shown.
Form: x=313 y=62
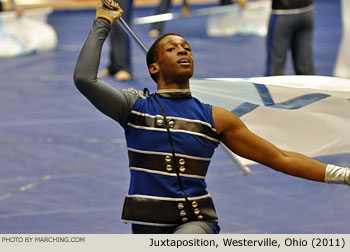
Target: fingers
x=109 y=12
x=112 y=4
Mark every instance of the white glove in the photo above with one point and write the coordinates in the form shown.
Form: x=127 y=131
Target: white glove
x=337 y=175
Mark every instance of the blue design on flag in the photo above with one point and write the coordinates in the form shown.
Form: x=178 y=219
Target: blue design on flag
x=295 y=103
x=305 y=114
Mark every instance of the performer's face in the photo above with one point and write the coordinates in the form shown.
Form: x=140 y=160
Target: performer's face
x=175 y=58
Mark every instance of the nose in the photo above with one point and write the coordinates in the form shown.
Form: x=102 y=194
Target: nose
x=182 y=51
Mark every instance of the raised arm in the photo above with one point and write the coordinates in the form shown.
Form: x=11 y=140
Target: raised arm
x=107 y=99
x=239 y=139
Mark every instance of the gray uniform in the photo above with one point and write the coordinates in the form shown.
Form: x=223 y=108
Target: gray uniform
x=291 y=27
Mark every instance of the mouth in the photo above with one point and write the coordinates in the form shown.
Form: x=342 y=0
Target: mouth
x=184 y=62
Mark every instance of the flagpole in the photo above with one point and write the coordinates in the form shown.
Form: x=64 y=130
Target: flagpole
x=132 y=34
x=126 y=27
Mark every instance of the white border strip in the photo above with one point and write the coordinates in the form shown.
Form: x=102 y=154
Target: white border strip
x=167 y=153
x=166 y=198
x=165 y=173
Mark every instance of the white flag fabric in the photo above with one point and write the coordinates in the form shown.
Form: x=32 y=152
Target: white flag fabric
x=252 y=19
x=305 y=114
x=26 y=34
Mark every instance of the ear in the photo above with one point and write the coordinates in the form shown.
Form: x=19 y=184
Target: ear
x=153 y=68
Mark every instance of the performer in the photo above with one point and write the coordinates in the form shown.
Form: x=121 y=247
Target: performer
x=171 y=137
x=342 y=63
x=291 y=27
x=164 y=6
x=120 y=49
x=19 y=9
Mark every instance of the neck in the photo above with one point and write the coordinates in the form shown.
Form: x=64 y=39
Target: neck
x=174 y=93
x=173 y=82
x=174 y=85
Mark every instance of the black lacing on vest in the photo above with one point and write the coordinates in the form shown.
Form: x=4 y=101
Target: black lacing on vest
x=146 y=92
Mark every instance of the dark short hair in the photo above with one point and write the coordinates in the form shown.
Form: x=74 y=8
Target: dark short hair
x=152 y=54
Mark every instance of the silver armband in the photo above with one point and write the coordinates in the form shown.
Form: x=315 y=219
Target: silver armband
x=337 y=175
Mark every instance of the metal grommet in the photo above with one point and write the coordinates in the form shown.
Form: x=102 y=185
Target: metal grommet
x=182 y=213
x=180 y=206
x=184 y=219
x=169 y=168
x=167 y=159
x=200 y=217
x=196 y=211
x=182 y=169
x=182 y=161
x=171 y=124
x=159 y=122
x=194 y=204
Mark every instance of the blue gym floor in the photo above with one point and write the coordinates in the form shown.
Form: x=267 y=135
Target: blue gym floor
x=64 y=167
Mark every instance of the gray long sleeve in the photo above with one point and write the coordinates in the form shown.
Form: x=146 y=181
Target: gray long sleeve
x=110 y=101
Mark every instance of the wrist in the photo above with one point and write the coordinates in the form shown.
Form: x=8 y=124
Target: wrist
x=337 y=175
x=104 y=19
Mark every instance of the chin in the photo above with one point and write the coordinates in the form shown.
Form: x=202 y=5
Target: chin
x=187 y=75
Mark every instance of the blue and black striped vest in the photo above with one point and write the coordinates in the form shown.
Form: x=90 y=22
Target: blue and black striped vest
x=165 y=190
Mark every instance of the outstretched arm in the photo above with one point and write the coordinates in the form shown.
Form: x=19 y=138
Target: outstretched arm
x=239 y=139
x=108 y=100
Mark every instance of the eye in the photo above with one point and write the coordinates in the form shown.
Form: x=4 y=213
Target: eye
x=170 y=49
x=188 y=49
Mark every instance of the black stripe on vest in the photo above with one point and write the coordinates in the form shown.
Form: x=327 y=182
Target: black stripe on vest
x=161 y=163
x=158 y=211
x=178 y=124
